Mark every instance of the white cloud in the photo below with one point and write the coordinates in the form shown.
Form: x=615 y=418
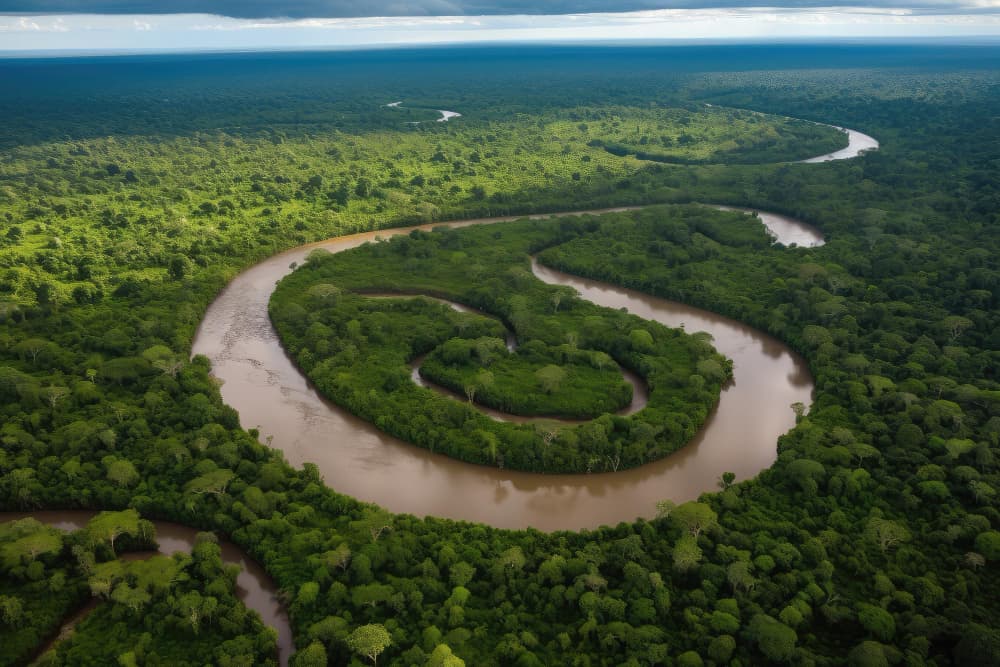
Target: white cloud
x=35 y=24
x=203 y=31
x=366 y=23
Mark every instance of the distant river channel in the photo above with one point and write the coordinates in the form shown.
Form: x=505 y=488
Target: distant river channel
x=357 y=459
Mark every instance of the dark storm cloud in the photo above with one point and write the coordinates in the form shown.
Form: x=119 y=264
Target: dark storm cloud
x=260 y=9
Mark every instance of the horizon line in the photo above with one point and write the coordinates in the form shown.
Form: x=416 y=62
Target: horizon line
x=985 y=39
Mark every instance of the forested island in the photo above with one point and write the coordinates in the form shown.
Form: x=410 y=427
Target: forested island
x=355 y=351
x=873 y=539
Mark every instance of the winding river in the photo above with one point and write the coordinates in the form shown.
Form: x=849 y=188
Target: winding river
x=857 y=143
x=253 y=586
x=355 y=458
x=786 y=231
x=445 y=114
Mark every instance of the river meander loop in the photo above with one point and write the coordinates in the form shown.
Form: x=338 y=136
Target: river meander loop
x=355 y=458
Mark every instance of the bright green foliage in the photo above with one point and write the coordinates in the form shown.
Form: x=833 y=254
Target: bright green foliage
x=109 y=526
x=648 y=137
x=369 y=641
x=37 y=588
x=739 y=576
x=877 y=621
x=664 y=508
x=121 y=472
x=687 y=554
x=214 y=482
x=550 y=378
x=173 y=610
x=313 y=655
x=443 y=657
x=988 y=544
x=21 y=542
x=515 y=384
x=179 y=610
x=694 y=517
x=374 y=522
x=774 y=639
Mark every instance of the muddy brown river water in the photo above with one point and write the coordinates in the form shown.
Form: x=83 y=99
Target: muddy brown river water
x=355 y=458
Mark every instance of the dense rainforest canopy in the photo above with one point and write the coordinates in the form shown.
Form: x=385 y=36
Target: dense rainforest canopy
x=874 y=539
x=150 y=608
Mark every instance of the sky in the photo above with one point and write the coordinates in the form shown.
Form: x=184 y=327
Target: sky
x=131 y=25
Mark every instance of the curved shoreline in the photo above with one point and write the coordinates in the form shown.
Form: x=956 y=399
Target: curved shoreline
x=254 y=587
x=640 y=390
x=356 y=459
x=784 y=230
x=445 y=114
x=857 y=142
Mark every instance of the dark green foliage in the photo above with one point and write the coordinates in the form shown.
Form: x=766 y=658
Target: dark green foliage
x=38 y=587
x=518 y=383
x=897 y=316
x=978 y=647
x=172 y=611
x=161 y=610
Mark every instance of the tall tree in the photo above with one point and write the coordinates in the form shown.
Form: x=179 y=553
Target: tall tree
x=369 y=641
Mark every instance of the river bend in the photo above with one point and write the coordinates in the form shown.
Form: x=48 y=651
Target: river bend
x=355 y=458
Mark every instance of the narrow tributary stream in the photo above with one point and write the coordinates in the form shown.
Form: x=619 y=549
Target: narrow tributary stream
x=253 y=586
